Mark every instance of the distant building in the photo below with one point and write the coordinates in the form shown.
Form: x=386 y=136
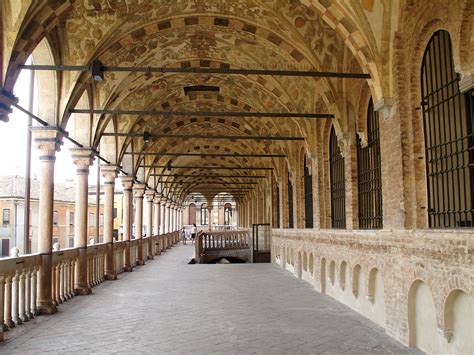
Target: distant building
x=12 y=193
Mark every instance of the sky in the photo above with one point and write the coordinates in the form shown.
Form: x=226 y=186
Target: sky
x=13 y=138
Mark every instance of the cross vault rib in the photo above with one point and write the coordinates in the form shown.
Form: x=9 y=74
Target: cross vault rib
x=204 y=113
x=189 y=70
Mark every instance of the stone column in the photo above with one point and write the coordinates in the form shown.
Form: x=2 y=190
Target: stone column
x=157 y=221
x=47 y=141
x=127 y=183
x=162 y=215
x=173 y=217
x=82 y=158
x=149 y=196
x=167 y=217
x=109 y=172
x=209 y=220
x=138 y=191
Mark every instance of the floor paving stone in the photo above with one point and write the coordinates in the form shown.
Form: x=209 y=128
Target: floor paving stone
x=168 y=306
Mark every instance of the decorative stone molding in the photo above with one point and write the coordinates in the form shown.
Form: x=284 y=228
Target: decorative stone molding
x=466 y=83
x=386 y=106
x=343 y=142
x=363 y=139
x=447 y=334
x=127 y=182
x=150 y=195
x=109 y=172
x=6 y=101
x=139 y=190
x=48 y=140
x=82 y=158
x=370 y=298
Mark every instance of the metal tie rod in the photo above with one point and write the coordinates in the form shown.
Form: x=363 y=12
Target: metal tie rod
x=234 y=155
x=194 y=70
x=203 y=136
x=207 y=167
x=203 y=113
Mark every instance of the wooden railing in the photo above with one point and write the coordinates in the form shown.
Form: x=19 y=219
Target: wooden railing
x=228 y=240
x=19 y=275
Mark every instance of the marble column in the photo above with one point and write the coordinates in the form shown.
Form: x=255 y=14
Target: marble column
x=209 y=220
x=162 y=215
x=127 y=183
x=82 y=158
x=157 y=221
x=109 y=172
x=138 y=191
x=167 y=217
x=47 y=141
x=149 y=196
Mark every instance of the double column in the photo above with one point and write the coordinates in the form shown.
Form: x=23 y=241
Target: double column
x=138 y=191
x=82 y=158
x=149 y=196
x=47 y=140
x=127 y=183
x=109 y=172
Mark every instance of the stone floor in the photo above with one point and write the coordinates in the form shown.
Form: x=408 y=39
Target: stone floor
x=169 y=306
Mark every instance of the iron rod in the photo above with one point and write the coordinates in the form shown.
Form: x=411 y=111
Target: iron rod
x=234 y=155
x=207 y=167
x=203 y=136
x=191 y=70
x=213 y=176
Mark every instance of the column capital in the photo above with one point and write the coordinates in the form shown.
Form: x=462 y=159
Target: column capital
x=127 y=182
x=150 y=195
x=109 y=172
x=82 y=158
x=138 y=190
x=48 y=140
x=158 y=198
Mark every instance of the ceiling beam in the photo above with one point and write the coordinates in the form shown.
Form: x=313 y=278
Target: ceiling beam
x=203 y=113
x=193 y=70
x=202 y=136
x=214 y=176
x=207 y=167
x=233 y=155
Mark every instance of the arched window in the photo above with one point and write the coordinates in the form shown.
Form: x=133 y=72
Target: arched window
x=192 y=213
x=448 y=119
x=277 y=206
x=369 y=175
x=204 y=214
x=308 y=196
x=227 y=214
x=290 y=203
x=338 y=186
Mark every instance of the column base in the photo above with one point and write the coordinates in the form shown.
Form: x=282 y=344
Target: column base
x=82 y=291
x=47 y=309
x=18 y=321
x=7 y=325
x=150 y=257
x=140 y=262
x=127 y=268
x=110 y=277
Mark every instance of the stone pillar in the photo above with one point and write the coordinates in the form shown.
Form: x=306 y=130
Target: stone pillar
x=47 y=141
x=209 y=220
x=127 y=183
x=109 y=172
x=167 y=217
x=82 y=158
x=173 y=220
x=149 y=196
x=138 y=191
x=157 y=221
x=162 y=215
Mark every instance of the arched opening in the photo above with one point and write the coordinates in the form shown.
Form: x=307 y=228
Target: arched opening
x=290 y=204
x=311 y=263
x=356 y=280
x=342 y=275
x=192 y=213
x=276 y=208
x=337 y=183
x=369 y=174
x=422 y=324
x=459 y=322
x=204 y=215
x=308 y=195
x=332 y=272
x=322 y=278
x=447 y=118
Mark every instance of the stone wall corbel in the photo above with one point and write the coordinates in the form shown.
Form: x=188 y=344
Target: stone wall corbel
x=466 y=83
x=386 y=106
x=363 y=139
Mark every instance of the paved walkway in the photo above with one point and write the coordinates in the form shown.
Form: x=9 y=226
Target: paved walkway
x=171 y=307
